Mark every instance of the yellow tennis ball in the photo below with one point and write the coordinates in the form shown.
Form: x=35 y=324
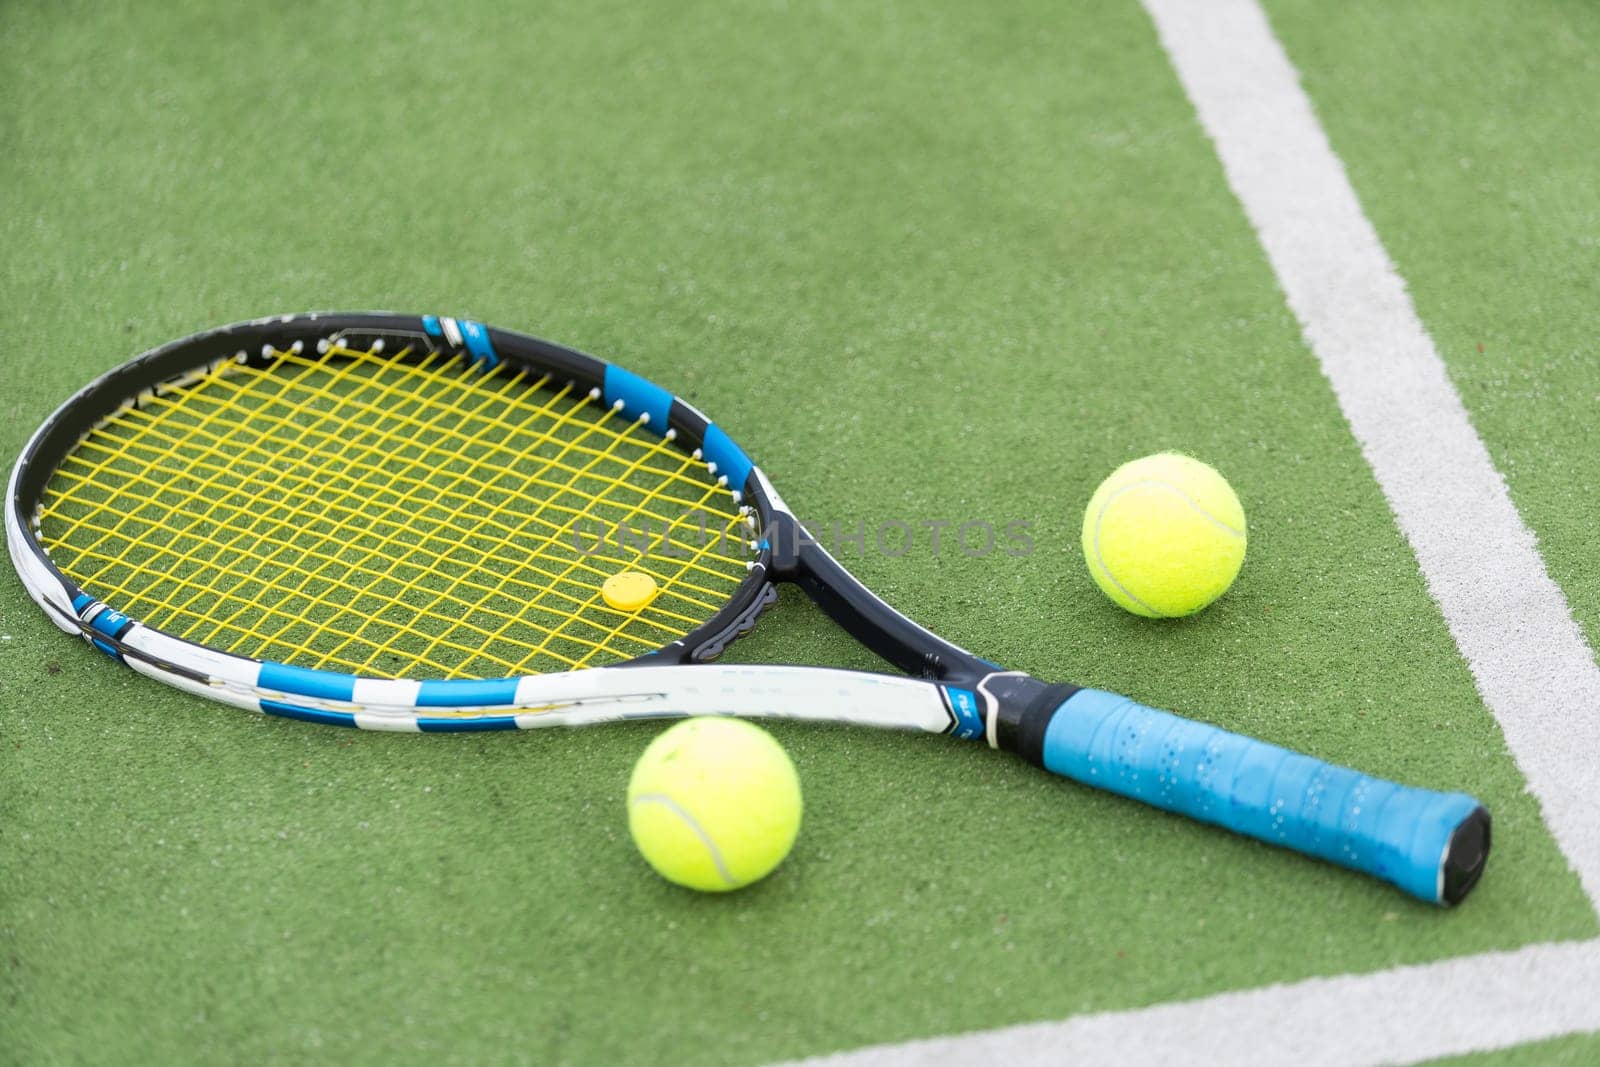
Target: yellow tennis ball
x=1164 y=535
x=714 y=804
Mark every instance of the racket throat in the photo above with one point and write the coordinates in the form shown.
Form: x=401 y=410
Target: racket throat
x=798 y=557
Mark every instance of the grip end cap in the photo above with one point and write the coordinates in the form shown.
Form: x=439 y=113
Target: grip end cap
x=1465 y=856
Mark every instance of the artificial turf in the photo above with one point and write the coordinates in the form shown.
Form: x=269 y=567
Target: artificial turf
x=927 y=262
x=1574 y=1050
x=1480 y=169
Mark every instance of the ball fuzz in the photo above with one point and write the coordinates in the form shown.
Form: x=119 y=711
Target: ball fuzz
x=714 y=804
x=1164 y=536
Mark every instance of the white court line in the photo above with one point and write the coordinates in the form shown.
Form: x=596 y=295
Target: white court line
x=1528 y=658
x=1511 y=622
x=1399 y=1016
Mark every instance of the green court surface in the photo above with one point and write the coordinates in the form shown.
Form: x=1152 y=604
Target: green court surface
x=1575 y=1051
x=1488 y=199
x=928 y=262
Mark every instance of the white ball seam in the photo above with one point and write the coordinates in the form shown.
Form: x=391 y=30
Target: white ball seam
x=689 y=821
x=1157 y=483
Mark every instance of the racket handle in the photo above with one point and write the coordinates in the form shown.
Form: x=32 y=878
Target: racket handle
x=1432 y=845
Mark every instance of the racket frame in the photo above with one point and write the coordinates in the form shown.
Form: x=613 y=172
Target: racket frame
x=786 y=553
x=183 y=361
x=949 y=690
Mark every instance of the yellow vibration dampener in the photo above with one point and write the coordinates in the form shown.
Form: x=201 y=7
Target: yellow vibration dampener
x=629 y=591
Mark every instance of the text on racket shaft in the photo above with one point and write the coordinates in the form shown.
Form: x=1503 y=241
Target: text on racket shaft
x=697 y=532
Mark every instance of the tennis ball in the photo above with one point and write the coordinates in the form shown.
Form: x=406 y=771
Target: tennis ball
x=714 y=804
x=1164 y=535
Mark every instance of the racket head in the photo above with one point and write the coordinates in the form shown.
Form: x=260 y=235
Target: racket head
x=312 y=479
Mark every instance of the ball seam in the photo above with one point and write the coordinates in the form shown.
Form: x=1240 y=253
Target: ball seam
x=1187 y=499
x=1100 y=560
x=699 y=831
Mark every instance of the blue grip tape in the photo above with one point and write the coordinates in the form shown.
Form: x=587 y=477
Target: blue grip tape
x=1390 y=831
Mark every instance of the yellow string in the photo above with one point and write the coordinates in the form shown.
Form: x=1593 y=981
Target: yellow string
x=400 y=515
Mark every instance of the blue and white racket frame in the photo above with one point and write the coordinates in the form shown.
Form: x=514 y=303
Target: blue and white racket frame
x=1432 y=845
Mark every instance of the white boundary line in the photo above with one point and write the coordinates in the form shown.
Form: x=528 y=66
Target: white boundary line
x=1399 y=1016
x=1511 y=622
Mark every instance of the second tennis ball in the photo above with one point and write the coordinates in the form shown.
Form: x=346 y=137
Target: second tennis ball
x=1164 y=535
x=714 y=804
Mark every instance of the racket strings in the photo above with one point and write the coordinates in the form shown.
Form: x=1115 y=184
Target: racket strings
x=348 y=501
x=243 y=521
x=404 y=516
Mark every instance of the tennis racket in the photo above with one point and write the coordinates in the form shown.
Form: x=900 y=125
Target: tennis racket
x=421 y=523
